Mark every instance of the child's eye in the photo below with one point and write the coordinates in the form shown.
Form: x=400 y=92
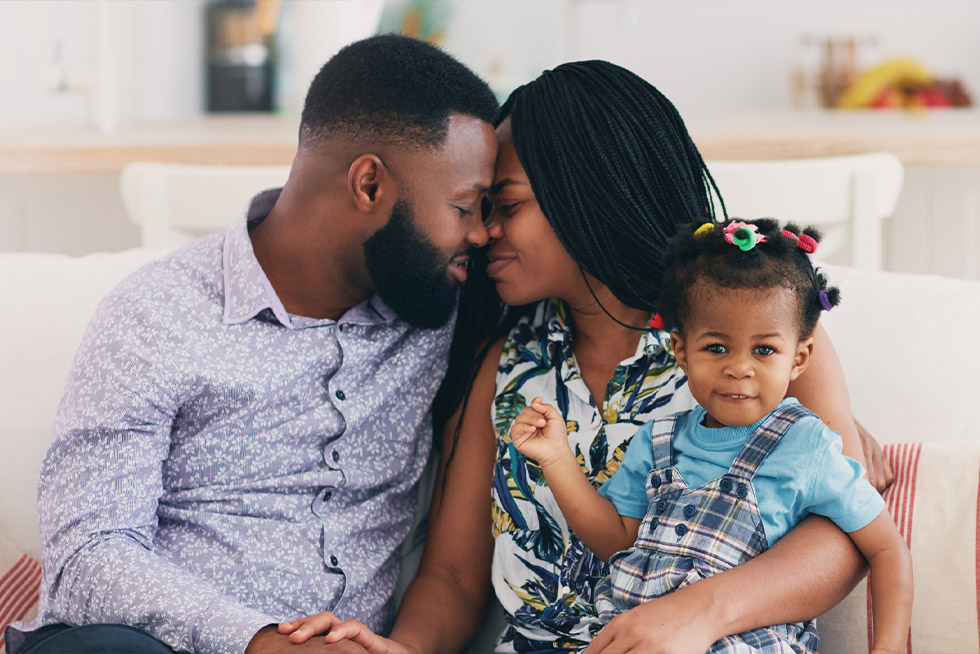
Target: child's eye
x=716 y=348
x=765 y=350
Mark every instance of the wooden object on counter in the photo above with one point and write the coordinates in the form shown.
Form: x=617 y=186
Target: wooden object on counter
x=946 y=137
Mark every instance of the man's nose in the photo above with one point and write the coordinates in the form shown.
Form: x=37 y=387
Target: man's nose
x=477 y=235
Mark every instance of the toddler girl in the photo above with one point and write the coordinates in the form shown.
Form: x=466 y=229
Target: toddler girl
x=702 y=491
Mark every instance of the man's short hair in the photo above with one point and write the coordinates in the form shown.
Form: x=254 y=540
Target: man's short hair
x=394 y=89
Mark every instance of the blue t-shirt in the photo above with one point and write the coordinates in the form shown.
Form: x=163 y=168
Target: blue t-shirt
x=805 y=473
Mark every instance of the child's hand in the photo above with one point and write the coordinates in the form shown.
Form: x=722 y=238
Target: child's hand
x=336 y=630
x=539 y=433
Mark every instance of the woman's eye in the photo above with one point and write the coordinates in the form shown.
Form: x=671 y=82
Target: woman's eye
x=716 y=348
x=765 y=350
x=505 y=210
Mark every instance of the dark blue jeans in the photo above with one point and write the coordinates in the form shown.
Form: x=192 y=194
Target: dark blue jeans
x=91 y=639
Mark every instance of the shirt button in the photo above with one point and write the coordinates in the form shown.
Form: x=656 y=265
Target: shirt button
x=741 y=490
x=654 y=523
x=327 y=495
x=680 y=529
x=661 y=505
x=655 y=480
x=333 y=561
x=726 y=485
x=336 y=456
x=689 y=511
x=669 y=476
x=340 y=395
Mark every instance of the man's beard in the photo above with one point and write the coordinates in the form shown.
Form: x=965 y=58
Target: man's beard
x=407 y=271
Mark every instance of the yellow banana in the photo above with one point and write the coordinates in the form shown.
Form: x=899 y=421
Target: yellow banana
x=869 y=84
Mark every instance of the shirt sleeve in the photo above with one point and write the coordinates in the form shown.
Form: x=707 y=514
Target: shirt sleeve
x=627 y=488
x=839 y=490
x=98 y=494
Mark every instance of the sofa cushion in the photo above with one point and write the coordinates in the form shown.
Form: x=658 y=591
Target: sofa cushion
x=906 y=343
x=20 y=577
x=46 y=301
x=934 y=503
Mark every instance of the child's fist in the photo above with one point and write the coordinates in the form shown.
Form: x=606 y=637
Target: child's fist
x=539 y=432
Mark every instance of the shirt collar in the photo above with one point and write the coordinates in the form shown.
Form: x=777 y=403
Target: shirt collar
x=248 y=290
x=654 y=343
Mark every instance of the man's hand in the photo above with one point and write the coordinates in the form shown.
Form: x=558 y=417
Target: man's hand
x=340 y=631
x=880 y=472
x=661 y=626
x=268 y=641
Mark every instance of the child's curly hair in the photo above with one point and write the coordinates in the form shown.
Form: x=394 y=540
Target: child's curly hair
x=753 y=254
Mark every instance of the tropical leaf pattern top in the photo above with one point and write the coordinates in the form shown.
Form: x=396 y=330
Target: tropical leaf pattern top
x=542 y=574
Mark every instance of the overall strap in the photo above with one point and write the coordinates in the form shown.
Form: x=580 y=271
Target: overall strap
x=765 y=438
x=661 y=439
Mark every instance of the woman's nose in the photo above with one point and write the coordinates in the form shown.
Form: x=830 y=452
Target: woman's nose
x=494 y=229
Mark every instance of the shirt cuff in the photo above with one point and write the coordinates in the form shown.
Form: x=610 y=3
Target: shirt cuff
x=228 y=629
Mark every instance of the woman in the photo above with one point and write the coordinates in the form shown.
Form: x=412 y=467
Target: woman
x=595 y=170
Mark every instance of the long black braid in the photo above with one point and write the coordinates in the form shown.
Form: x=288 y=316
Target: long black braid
x=615 y=172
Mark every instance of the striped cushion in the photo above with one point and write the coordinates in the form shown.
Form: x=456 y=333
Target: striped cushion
x=20 y=577
x=934 y=502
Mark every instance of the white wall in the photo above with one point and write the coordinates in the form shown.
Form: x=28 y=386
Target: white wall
x=140 y=61
x=721 y=55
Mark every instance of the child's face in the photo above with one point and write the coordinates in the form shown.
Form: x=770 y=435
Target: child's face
x=740 y=350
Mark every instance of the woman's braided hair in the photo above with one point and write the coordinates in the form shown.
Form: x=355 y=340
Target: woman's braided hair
x=769 y=257
x=615 y=172
x=613 y=169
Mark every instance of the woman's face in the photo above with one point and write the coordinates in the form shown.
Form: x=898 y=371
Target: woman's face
x=527 y=261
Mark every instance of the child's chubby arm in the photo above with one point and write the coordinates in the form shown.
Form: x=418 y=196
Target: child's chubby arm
x=891 y=582
x=539 y=433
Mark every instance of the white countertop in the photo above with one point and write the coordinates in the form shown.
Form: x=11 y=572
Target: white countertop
x=947 y=137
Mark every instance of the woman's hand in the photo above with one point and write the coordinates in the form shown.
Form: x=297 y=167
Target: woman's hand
x=539 y=433
x=880 y=472
x=336 y=630
x=667 y=625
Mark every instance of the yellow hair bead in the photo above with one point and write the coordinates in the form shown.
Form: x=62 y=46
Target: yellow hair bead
x=704 y=229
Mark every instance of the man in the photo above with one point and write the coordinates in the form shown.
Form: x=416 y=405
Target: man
x=246 y=420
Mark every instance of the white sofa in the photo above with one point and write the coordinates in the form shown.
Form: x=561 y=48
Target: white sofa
x=909 y=346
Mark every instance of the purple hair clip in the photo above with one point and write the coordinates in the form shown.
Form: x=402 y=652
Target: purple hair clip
x=825 y=301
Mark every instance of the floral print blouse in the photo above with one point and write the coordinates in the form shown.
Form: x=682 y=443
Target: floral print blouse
x=542 y=574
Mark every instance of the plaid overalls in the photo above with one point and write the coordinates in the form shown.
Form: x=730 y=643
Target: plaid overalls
x=689 y=534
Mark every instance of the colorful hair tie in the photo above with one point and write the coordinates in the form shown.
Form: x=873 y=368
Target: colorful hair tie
x=825 y=301
x=704 y=230
x=791 y=235
x=743 y=235
x=657 y=322
x=807 y=244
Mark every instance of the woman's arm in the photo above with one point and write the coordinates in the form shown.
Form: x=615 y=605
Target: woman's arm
x=823 y=389
x=806 y=573
x=443 y=606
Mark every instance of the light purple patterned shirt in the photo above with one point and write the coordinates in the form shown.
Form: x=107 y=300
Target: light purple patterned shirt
x=219 y=464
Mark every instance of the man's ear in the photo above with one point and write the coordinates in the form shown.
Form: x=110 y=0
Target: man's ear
x=802 y=359
x=677 y=345
x=367 y=182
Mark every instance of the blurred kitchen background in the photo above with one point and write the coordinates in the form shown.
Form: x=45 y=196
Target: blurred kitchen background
x=93 y=84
